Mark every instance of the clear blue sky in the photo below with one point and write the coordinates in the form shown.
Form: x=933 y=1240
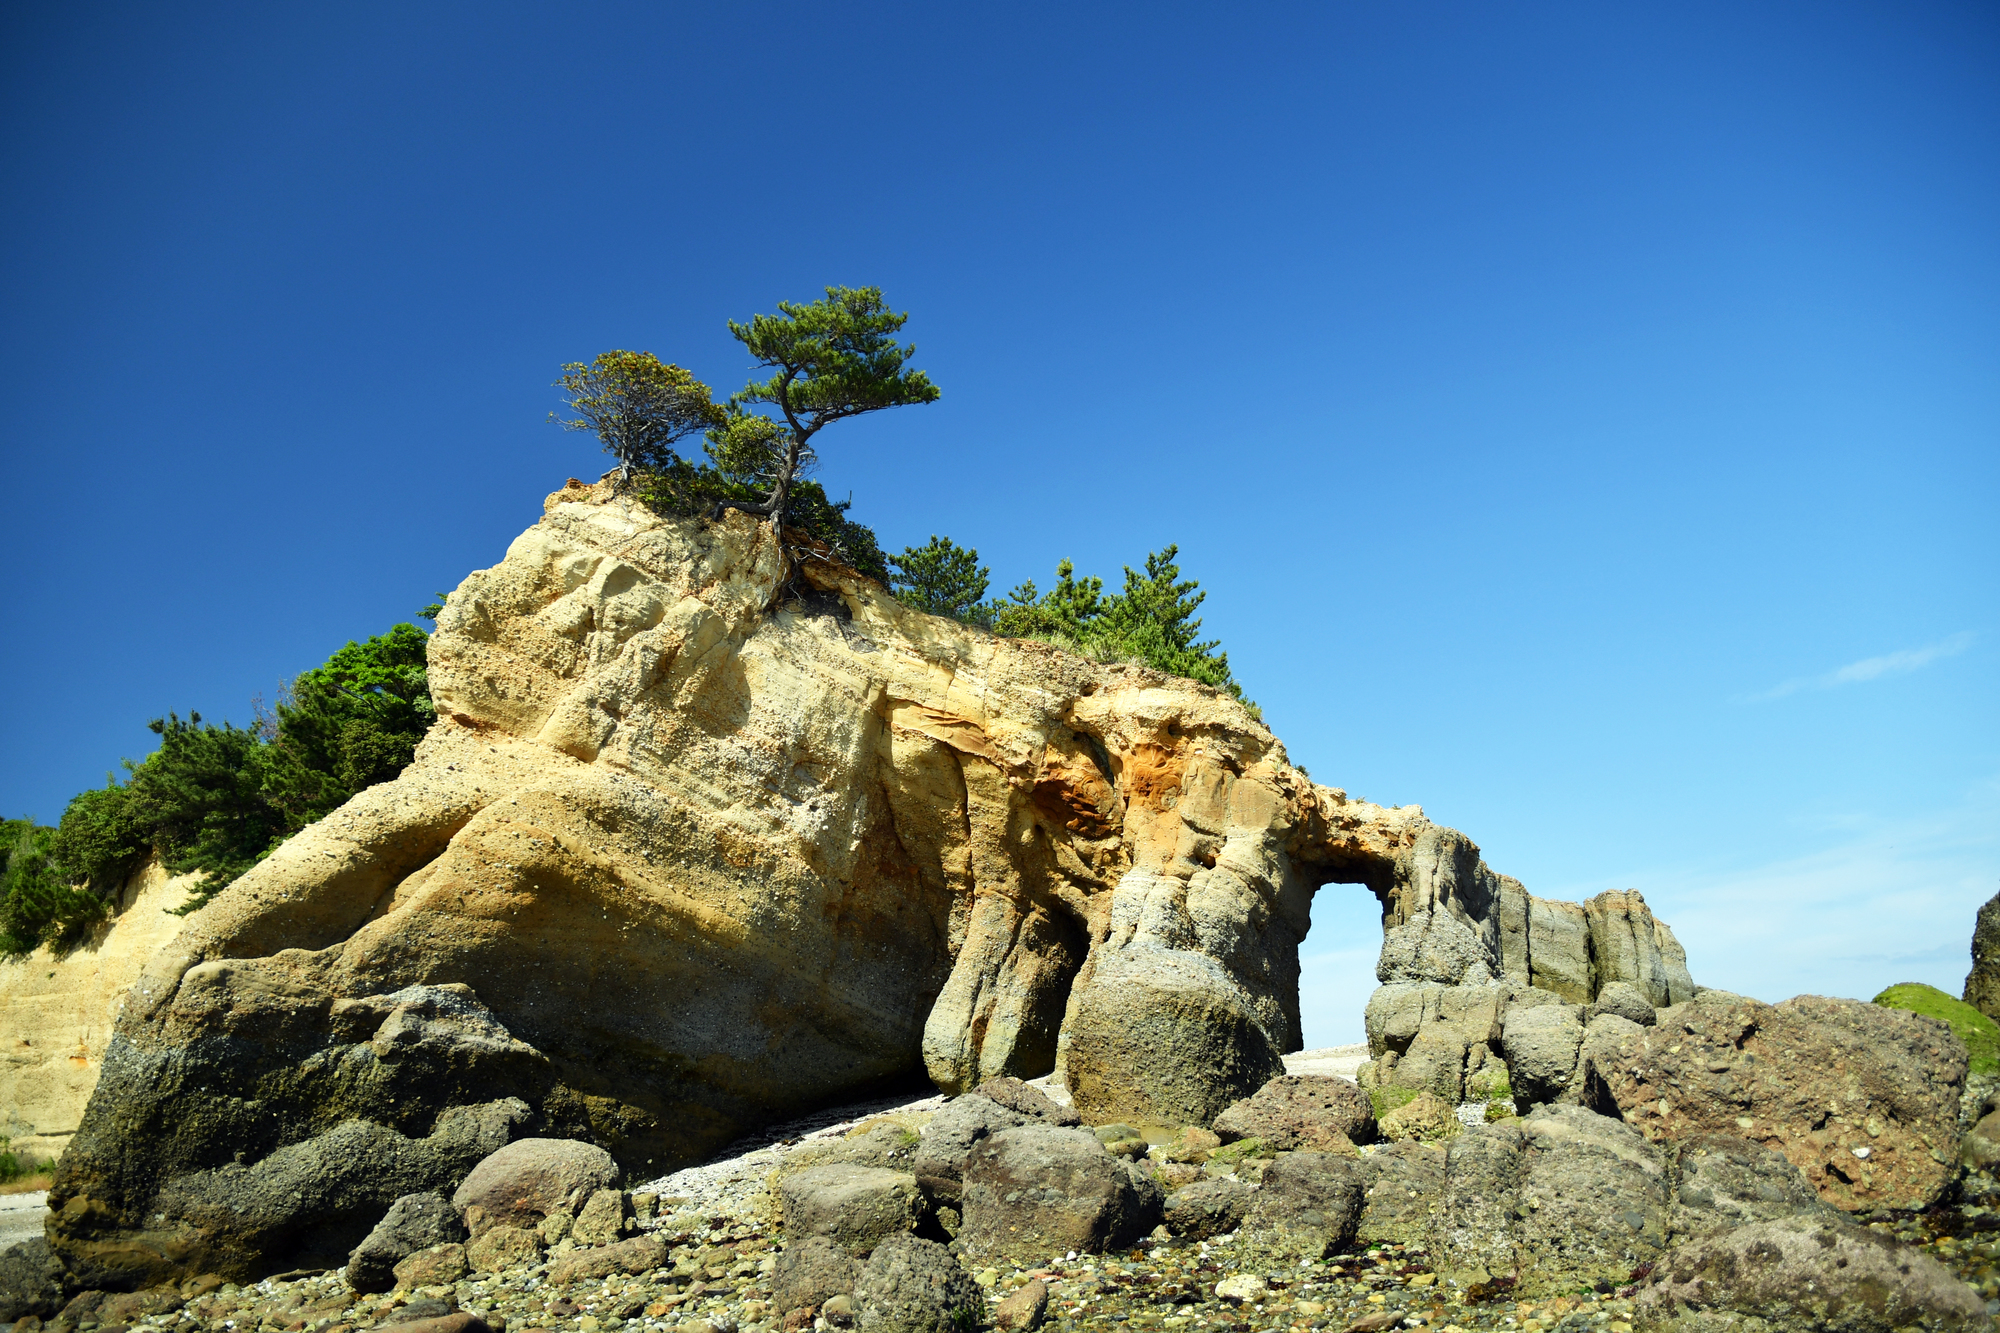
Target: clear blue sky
x=1583 y=417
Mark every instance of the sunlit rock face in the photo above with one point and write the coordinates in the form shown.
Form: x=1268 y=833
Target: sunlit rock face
x=695 y=852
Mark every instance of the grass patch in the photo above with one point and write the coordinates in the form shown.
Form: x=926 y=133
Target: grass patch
x=1980 y=1034
x=21 y=1173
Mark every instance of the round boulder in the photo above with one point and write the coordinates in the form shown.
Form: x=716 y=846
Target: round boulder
x=1037 y=1190
x=1312 y=1111
x=915 y=1286
x=530 y=1178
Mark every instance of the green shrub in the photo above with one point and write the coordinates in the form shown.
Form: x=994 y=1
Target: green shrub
x=37 y=901
x=1151 y=620
x=18 y=1165
x=217 y=800
x=1980 y=1034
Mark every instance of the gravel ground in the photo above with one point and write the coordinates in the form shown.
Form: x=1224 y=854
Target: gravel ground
x=719 y=1220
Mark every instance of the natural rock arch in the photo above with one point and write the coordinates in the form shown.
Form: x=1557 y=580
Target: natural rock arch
x=672 y=864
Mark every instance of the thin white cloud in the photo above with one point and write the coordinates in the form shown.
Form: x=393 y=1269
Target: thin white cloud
x=1898 y=663
x=1891 y=901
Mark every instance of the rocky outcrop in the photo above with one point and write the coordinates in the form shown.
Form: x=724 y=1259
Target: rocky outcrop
x=1862 y=1099
x=1982 y=984
x=58 y=1008
x=1564 y=1197
x=693 y=852
x=1803 y=1277
x=1456 y=977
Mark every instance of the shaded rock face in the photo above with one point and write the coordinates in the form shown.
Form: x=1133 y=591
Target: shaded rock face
x=1402 y=1184
x=682 y=856
x=1862 y=1099
x=1307 y=1205
x=1800 y=1277
x=414 y=1222
x=1982 y=984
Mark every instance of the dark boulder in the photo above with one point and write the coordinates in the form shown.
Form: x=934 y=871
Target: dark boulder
x=1037 y=1190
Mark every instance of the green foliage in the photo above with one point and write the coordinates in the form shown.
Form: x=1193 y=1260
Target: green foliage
x=218 y=799
x=348 y=725
x=36 y=900
x=692 y=490
x=940 y=577
x=1980 y=1034
x=199 y=802
x=637 y=405
x=17 y=1165
x=829 y=360
x=1151 y=620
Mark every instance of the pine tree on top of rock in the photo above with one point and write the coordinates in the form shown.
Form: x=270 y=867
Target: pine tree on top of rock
x=830 y=360
x=940 y=577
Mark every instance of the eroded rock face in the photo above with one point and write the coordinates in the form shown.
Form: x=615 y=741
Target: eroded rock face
x=1864 y=1100
x=1037 y=1190
x=1558 y=1199
x=1982 y=983
x=688 y=854
x=1796 y=1276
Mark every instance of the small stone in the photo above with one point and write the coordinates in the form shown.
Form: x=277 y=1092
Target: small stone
x=501 y=1249
x=431 y=1266
x=1025 y=1308
x=1242 y=1287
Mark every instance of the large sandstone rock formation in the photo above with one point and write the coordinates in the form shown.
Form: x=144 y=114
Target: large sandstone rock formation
x=682 y=856
x=57 y=1009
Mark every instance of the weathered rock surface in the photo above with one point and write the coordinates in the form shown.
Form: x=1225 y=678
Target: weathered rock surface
x=1424 y=1118
x=915 y=1286
x=433 y=1265
x=1402 y=1185
x=1623 y=1000
x=810 y=1271
x=1542 y=1044
x=1314 y=1111
x=855 y=1207
x=1207 y=1208
x=1307 y=1204
x=58 y=1010
x=30 y=1281
x=640 y=1254
x=1982 y=984
x=1803 y=1277
x=810 y=847
x=1864 y=1100
x=1721 y=1182
x=1024 y=1309
x=1559 y=1199
x=522 y=1183
x=414 y=1222
x=951 y=1134
x=1038 y=1190
x=1024 y=1099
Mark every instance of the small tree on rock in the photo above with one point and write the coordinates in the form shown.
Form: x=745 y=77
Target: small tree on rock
x=940 y=577
x=638 y=405
x=829 y=359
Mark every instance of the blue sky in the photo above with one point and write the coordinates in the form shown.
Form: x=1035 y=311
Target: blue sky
x=1583 y=417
